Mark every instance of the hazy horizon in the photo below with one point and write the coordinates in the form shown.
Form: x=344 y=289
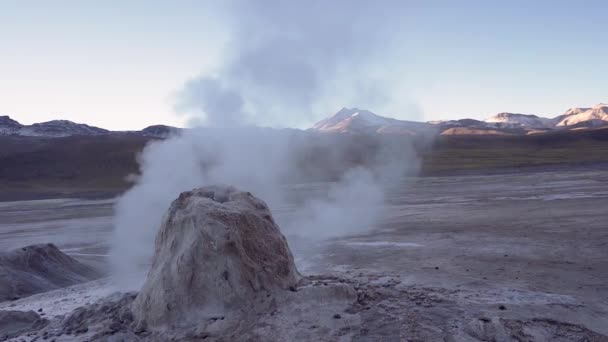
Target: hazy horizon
x=327 y=116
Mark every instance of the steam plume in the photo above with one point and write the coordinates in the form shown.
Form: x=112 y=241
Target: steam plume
x=286 y=60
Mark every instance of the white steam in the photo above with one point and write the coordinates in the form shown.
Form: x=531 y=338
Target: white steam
x=352 y=206
x=285 y=61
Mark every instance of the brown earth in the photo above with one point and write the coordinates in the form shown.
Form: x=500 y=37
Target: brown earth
x=99 y=166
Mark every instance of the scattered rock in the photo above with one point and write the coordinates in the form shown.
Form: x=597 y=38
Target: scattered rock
x=550 y=330
x=222 y=271
x=109 y=315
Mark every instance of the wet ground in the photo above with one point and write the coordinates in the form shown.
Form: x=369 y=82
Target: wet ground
x=516 y=250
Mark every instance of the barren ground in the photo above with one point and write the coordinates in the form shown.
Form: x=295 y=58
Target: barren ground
x=519 y=256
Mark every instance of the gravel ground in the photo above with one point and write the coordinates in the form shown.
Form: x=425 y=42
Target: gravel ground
x=497 y=257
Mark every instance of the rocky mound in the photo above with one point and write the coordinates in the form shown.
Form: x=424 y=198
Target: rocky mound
x=39 y=268
x=217 y=251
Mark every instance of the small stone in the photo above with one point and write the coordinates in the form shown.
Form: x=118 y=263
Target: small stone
x=337 y=316
x=436 y=267
x=114 y=327
x=502 y=307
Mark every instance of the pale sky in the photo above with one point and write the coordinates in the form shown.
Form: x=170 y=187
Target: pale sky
x=119 y=64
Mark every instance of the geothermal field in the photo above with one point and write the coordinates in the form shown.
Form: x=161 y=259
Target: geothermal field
x=517 y=256
x=315 y=171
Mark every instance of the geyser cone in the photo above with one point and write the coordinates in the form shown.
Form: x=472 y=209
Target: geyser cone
x=217 y=251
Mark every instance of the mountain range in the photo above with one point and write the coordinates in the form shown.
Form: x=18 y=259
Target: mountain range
x=65 y=128
x=354 y=120
x=359 y=121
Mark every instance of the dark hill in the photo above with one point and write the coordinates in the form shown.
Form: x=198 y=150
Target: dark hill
x=99 y=166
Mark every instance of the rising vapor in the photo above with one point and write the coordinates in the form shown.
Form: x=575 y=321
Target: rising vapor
x=285 y=62
x=288 y=62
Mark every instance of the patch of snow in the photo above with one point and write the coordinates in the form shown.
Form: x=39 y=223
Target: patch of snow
x=512 y=120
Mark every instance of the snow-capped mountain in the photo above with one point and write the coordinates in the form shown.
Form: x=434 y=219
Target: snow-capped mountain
x=65 y=128
x=60 y=128
x=596 y=116
x=359 y=121
x=54 y=128
x=514 y=120
x=574 y=111
x=354 y=120
x=363 y=121
x=584 y=117
x=470 y=127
